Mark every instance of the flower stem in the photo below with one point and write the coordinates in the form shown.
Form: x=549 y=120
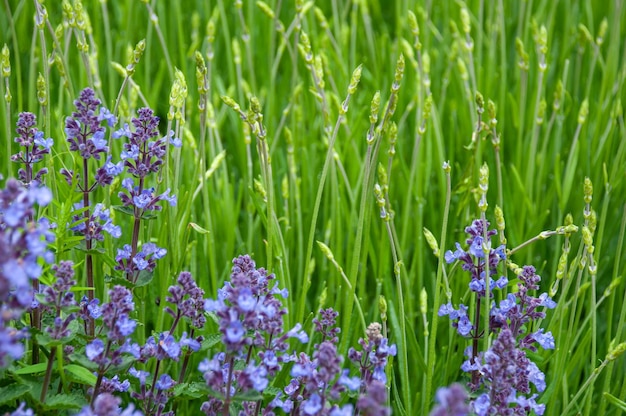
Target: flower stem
x=47 y=377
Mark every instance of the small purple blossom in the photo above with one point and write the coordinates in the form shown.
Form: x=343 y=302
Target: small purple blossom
x=34 y=145
x=83 y=130
x=452 y=401
x=99 y=221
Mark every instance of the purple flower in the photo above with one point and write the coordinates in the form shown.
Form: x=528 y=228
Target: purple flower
x=124 y=325
x=105 y=114
x=165 y=382
x=35 y=147
x=22 y=411
x=169 y=346
x=191 y=343
x=257 y=376
x=234 y=333
x=90 y=309
x=83 y=130
x=374 y=400
x=452 y=401
x=313 y=405
x=482 y=405
x=99 y=221
x=188 y=300
x=352 y=383
x=536 y=377
x=94 y=349
x=445 y=309
x=545 y=340
x=108 y=405
x=139 y=374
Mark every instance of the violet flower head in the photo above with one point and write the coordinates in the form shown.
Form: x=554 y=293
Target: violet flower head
x=373 y=401
x=452 y=401
x=144 y=152
x=108 y=405
x=473 y=260
x=99 y=221
x=188 y=300
x=144 y=260
x=86 y=135
x=507 y=374
x=325 y=325
x=84 y=132
x=89 y=309
x=35 y=147
x=164 y=347
x=247 y=305
x=250 y=315
x=23 y=242
x=502 y=376
x=372 y=360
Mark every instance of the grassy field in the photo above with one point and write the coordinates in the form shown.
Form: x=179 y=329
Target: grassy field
x=314 y=137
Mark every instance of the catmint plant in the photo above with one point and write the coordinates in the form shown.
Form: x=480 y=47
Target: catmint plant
x=33 y=147
x=256 y=349
x=501 y=377
x=250 y=316
x=58 y=298
x=318 y=380
x=86 y=137
x=142 y=155
x=113 y=343
x=187 y=301
x=23 y=248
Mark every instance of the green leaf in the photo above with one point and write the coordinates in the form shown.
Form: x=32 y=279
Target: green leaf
x=210 y=341
x=125 y=210
x=13 y=392
x=114 y=280
x=80 y=374
x=47 y=341
x=131 y=211
x=145 y=278
x=615 y=401
x=193 y=390
x=65 y=401
x=249 y=396
x=32 y=369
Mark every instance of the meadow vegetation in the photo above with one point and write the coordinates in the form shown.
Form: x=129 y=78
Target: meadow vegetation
x=333 y=207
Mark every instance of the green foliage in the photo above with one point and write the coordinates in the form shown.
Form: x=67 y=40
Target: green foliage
x=301 y=167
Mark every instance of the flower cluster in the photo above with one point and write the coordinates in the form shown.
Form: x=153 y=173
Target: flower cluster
x=59 y=297
x=23 y=243
x=108 y=405
x=118 y=326
x=507 y=371
x=187 y=301
x=452 y=401
x=250 y=320
x=99 y=221
x=86 y=135
x=319 y=381
x=143 y=260
x=504 y=371
x=142 y=156
x=35 y=148
x=250 y=317
x=373 y=359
